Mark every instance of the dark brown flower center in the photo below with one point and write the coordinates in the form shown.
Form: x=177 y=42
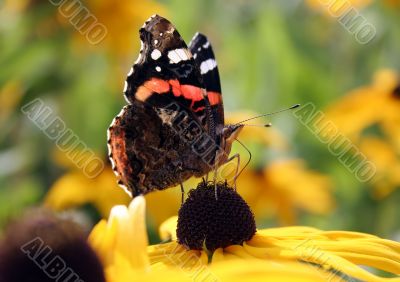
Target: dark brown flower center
x=214 y=223
x=40 y=246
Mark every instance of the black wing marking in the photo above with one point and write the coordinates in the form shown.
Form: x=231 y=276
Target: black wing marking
x=165 y=64
x=204 y=56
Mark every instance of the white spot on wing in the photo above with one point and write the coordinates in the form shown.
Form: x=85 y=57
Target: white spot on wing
x=125 y=86
x=158 y=69
x=173 y=56
x=207 y=66
x=156 y=54
x=183 y=54
x=206 y=45
x=179 y=55
x=155 y=42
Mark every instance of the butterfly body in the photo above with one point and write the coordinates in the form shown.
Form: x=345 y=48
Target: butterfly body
x=173 y=127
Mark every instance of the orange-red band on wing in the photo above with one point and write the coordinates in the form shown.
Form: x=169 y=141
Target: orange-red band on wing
x=149 y=87
x=157 y=85
x=214 y=98
x=193 y=93
x=160 y=86
x=143 y=93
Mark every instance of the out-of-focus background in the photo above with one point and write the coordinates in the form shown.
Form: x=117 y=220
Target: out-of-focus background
x=67 y=61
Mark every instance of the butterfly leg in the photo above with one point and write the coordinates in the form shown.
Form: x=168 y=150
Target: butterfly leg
x=215 y=174
x=182 y=193
x=236 y=156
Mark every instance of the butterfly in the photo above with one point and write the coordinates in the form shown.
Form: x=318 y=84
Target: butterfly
x=173 y=126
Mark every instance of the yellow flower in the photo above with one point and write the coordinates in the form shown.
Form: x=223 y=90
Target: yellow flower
x=284 y=187
x=277 y=254
x=337 y=7
x=375 y=105
x=387 y=164
x=76 y=189
x=369 y=105
x=10 y=96
x=112 y=29
x=122 y=20
x=10 y=6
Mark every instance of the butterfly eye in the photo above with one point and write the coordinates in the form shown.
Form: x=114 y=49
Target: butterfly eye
x=226 y=131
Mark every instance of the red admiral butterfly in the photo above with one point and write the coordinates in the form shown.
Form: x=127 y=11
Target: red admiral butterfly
x=173 y=126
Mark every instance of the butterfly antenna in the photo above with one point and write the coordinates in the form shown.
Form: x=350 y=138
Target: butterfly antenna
x=247 y=163
x=270 y=114
x=259 y=125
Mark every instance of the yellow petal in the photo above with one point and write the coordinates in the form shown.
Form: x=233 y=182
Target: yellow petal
x=123 y=241
x=258 y=270
x=335 y=250
x=167 y=229
x=176 y=256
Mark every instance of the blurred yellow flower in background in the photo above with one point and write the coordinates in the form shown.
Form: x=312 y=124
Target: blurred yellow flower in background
x=375 y=108
x=122 y=19
x=13 y=6
x=336 y=7
x=11 y=94
x=284 y=187
x=377 y=103
x=387 y=163
x=75 y=189
x=279 y=253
